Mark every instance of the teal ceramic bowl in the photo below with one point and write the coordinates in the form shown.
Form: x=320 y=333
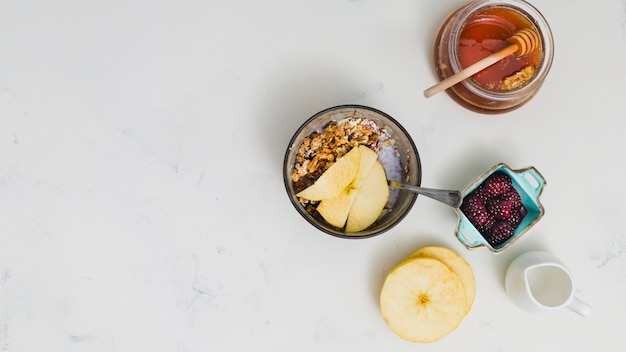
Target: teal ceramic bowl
x=529 y=183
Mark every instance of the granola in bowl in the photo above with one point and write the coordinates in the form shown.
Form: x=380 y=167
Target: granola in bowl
x=319 y=150
x=332 y=133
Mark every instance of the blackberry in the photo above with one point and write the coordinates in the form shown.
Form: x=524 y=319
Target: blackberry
x=517 y=215
x=484 y=223
x=470 y=201
x=499 y=233
x=474 y=209
x=498 y=183
x=481 y=192
x=499 y=207
x=514 y=198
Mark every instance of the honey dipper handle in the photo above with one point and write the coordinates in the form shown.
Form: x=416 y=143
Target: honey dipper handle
x=523 y=42
x=470 y=70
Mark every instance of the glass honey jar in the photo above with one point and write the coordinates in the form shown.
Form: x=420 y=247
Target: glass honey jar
x=481 y=28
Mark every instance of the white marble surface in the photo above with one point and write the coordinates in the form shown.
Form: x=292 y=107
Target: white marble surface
x=142 y=201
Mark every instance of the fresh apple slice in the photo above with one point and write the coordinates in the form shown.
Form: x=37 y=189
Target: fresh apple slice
x=422 y=300
x=457 y=264
x=369 y=201
x=334 y=180
x=335 y=210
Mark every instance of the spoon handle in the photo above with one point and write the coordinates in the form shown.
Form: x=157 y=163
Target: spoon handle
x=449 y=197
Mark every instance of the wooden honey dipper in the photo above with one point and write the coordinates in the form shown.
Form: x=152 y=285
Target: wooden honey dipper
x=523 y=42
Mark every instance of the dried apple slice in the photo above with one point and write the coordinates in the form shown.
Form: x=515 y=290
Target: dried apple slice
x=457 y=264
x=334 y=180
x=335 y=210
x=370 y=200
x=422 y=300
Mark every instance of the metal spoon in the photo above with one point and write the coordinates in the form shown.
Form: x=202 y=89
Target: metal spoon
x=449 y=197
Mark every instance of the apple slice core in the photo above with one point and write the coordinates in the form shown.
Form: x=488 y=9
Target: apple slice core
x=422 y=300
x=457 y=264
x=334 y=180
x=335 y=210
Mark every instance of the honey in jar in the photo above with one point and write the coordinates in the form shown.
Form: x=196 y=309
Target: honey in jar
x=480 y=29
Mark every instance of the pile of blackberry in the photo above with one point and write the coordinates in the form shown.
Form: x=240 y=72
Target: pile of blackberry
x=495 y=208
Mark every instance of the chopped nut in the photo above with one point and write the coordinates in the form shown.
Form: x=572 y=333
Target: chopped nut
x=319 y=150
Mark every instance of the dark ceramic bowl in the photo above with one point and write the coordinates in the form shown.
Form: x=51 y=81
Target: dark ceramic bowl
x=400 y=160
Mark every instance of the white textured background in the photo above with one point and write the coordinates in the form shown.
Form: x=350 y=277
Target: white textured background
x=142 y=206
